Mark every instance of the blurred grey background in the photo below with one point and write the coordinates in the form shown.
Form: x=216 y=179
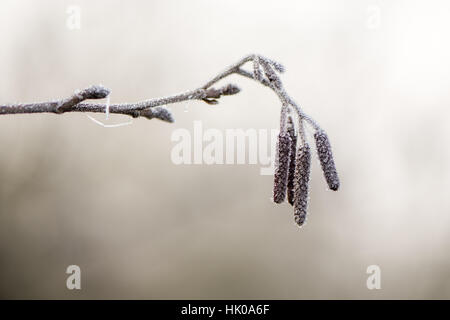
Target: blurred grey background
x=374 y=74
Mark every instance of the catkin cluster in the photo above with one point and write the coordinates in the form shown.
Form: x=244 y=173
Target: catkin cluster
x=293 y=154
x=293 y=158
x=293 y=166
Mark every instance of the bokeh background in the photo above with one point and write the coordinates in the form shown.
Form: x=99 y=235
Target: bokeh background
x=374 y=74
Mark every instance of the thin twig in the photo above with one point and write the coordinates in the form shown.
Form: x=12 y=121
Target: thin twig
x=140 y=109
x=148 y=108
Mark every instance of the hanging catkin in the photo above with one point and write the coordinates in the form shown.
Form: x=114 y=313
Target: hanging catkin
x=281 y=167
x=302 y=171
x=326 y=159
x=291 y=173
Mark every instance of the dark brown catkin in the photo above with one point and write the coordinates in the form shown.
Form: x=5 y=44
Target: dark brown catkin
x=301 y=185
x=281 y=167
x=326 y=159
x=291 y=173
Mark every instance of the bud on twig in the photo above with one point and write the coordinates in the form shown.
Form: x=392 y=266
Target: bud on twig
x=93 y=92
x=271 y=75
x=157 y=113
x=326 y=159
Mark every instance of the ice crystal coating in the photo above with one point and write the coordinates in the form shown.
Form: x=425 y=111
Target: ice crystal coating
x=278 y=66
x=271 y=75
x=326 y=159
x=256 y=70
x=301 y=184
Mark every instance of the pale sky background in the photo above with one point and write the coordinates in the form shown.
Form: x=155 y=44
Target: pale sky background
x=374 y=74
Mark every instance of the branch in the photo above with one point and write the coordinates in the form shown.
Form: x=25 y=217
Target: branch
x=148 y=108
x=145 y=109
x=291 y=167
